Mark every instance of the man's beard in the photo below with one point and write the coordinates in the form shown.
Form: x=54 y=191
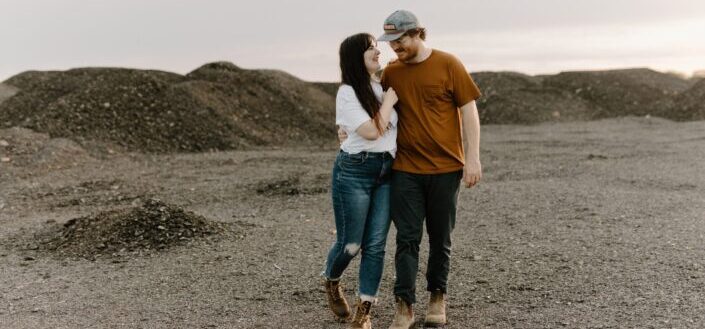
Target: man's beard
x=407 y=55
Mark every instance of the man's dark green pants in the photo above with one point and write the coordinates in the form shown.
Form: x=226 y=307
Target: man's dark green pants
x=416 y=198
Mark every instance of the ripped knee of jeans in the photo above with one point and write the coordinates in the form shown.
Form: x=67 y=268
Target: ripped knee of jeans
x=352 y=248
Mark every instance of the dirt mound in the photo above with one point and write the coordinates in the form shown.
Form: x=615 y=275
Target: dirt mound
x=21 y=147
x=132 y=108
x=269 y=107
x=6 y=91
x=216 y=107
x=220 y=106
x=154 y=225
x=690 y=105
x=510 y=97
x=620 y=93
x=330 y=88
x=298 y=184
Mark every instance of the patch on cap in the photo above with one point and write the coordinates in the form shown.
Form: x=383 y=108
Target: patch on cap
x=390 y=27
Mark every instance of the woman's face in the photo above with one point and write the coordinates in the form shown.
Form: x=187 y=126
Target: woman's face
x=371 y=57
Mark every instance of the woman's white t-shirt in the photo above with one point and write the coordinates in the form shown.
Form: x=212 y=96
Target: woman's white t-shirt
x=349 y=115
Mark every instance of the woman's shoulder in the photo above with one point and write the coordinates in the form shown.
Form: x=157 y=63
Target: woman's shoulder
x=345 y=91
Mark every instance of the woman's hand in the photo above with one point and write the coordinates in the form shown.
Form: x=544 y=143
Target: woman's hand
x=390 y=97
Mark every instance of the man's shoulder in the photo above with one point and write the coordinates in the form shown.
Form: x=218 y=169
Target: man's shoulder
x=392 y=69
x=393 y=65
x=445 y=56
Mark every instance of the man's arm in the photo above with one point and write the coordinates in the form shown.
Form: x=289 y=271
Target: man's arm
x=472 y=172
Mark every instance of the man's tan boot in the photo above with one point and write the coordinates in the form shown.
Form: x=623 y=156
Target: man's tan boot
x=336 y=300
x=361 y=320
x=436 y=313
x=404 y=315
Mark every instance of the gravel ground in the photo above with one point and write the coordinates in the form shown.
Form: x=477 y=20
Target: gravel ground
x=575 y=225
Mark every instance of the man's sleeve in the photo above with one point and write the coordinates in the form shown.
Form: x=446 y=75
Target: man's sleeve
x=464 y=88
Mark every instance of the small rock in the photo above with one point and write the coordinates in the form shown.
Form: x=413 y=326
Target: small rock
x=4 y=143
x=4 y=159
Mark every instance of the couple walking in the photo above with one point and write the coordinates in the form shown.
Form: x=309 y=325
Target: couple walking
x=404 y=166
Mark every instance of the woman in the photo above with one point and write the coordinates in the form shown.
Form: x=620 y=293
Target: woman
x=360 y=187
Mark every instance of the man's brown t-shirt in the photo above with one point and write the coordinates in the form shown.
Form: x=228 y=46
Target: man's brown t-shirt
x=429 y=139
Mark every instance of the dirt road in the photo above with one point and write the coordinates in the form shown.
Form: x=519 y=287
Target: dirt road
x=575 y=225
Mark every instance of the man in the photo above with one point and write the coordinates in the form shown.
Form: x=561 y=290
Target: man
x=437 y=113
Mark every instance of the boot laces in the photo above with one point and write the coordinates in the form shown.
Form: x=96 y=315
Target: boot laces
x=363 y=310
x=335 y=293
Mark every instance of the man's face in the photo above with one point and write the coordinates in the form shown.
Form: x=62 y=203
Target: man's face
x=405 y=47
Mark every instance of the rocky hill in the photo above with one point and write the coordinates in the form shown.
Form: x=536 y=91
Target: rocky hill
x=6 y=91
x=217 y=106
x=619 y=93
x=220 y=106
x=510 y=97
x=690 y=105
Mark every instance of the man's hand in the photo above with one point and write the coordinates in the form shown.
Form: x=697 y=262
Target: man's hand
x=342 y=135
x=472 y=172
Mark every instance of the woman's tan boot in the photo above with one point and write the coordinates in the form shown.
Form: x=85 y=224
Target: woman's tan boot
x=336 y=300
x=361 y=320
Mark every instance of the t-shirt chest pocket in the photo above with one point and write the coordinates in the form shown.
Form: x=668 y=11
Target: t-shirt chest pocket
x=434 y=94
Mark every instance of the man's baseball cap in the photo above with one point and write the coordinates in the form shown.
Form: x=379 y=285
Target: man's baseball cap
x=397 y=24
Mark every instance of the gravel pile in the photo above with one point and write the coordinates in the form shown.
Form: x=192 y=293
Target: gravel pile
x=330 y=88
x=152 y=226
x=619 y=93
x=220 y=106
x=269 y=107
x=298 y=184
x=515 y=98
x=21 y=147
x=691 y=103
x=216 y=107
x=6 y=91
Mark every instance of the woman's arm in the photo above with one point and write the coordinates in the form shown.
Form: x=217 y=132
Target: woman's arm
x=368 y=130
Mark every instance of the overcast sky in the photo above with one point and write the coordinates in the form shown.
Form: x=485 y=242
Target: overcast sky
x=302 y=36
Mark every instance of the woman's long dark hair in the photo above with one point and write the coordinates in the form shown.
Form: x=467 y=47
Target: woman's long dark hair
x=355 y=74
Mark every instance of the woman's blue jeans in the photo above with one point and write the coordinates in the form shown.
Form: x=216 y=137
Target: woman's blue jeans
x=360 y=191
